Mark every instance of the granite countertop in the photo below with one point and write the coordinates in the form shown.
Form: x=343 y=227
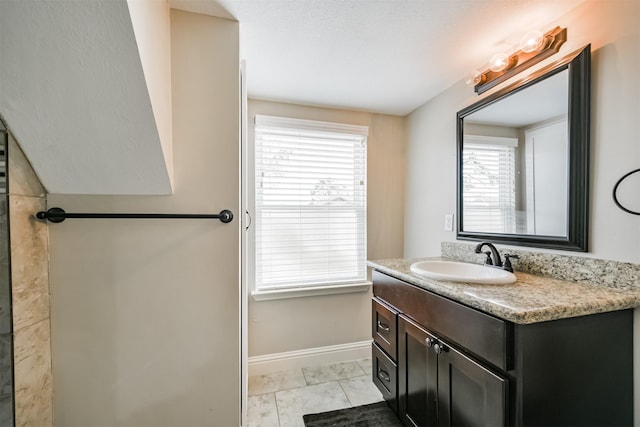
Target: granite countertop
x=530 y=299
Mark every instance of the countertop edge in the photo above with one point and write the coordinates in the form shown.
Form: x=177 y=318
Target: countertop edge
x=463 y=293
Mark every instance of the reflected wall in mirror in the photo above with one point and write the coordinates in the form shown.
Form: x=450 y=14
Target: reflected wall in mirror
x=523 y=158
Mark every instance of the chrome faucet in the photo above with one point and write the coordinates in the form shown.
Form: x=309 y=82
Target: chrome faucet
x=493 y=257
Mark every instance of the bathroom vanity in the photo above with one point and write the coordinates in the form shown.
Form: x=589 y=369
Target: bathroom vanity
x=537 y=352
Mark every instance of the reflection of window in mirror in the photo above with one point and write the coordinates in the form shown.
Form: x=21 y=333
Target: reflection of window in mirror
x=489 y=182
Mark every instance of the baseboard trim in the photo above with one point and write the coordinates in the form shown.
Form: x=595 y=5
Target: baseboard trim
x=276 y=362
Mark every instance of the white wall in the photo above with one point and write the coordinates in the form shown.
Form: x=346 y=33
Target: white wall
x=613 y=29
x=301 y=323
x=145 y=313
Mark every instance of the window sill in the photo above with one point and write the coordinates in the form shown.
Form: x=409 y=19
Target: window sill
x=310 y=291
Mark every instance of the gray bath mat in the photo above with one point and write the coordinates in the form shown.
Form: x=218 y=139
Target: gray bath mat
x=373 y=415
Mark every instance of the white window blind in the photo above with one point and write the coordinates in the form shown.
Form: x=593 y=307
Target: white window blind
x=310 y=202
x=489 y=202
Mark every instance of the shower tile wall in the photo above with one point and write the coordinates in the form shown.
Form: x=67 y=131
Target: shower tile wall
x=33 y=386
x=6 y=341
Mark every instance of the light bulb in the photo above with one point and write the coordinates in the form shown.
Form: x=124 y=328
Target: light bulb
x=474 y=78
x=499 y=62
x=532 y=41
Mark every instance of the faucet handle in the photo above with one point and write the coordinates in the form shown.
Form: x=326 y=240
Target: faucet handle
x=488 y=260
x=507 y=261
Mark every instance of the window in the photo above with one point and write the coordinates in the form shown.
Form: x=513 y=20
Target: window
x=310 y=203
x=489 y=203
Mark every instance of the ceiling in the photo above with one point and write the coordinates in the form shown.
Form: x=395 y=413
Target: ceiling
x=95 y=119
x=386 y=56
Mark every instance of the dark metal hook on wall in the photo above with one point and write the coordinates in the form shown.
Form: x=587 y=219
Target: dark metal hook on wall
x=58 y=215
x=615 y=191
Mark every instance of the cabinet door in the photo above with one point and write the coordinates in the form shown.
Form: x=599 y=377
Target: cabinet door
x=417 y=375
x=468 y=393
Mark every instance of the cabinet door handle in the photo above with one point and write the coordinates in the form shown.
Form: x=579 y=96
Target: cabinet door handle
x=383 y=375
x=439 y=348
x=429 y=341
x=383 y=326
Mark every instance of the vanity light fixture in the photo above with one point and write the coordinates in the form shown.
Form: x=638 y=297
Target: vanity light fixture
x=534 y=47
x=501 y=61
x=532 y=41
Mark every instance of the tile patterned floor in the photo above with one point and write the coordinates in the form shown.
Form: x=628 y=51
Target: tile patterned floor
x=282 y=398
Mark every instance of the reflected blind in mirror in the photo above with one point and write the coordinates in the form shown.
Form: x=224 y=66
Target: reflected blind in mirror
x=489 y=202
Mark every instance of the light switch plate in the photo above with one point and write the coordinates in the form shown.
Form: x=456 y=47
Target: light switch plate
x=448 y=222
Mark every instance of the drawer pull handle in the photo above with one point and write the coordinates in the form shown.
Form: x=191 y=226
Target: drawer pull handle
x=383 y=326
x=384 y=376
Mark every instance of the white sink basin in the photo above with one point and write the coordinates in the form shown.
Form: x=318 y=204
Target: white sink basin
x=462 y=272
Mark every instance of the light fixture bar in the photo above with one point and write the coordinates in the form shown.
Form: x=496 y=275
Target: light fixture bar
x=521 y=60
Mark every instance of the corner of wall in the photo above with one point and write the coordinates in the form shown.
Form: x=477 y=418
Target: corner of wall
x=151 y=21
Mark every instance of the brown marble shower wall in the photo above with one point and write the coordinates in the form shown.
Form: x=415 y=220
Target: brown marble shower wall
x=29 y=254
x=6 y=336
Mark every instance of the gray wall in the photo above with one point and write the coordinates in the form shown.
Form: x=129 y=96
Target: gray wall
x=613 y=29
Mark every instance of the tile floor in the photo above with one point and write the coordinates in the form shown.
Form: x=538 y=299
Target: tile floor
x=282 y=398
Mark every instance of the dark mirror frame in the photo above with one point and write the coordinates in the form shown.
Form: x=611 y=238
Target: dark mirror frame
x=579 y=66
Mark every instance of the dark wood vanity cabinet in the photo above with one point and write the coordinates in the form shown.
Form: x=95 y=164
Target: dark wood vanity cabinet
x=439 y=385
x=441 y=363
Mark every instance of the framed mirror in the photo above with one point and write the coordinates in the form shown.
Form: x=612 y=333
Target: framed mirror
x=523 y=160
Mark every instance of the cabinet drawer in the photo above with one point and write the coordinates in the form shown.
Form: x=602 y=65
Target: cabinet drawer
x=384 y=327
x=385 y=376
x=486 y=336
